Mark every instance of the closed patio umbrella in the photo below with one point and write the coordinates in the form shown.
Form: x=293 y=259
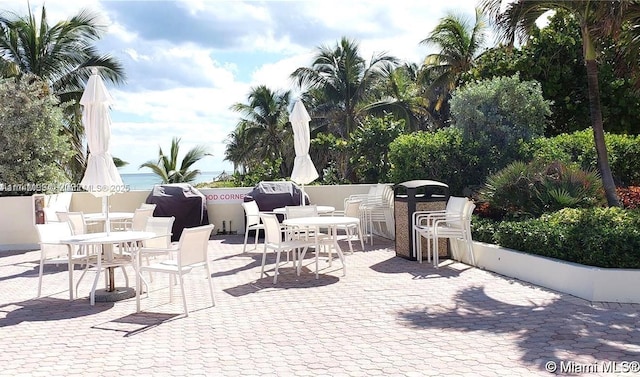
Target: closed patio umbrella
x=304 y=171
x=101 y=177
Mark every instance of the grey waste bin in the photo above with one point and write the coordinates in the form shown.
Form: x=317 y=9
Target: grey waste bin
x=412 y=196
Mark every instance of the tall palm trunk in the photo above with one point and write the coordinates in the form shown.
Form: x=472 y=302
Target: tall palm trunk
x=598 y=134
x=596 y=121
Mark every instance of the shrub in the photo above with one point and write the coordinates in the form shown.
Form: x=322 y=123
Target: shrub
x=496 y=115
x=440 y=156
x=579 y=148
x=529 y=190
x=33 y=147
x=369 y=144
x=629 y=196
x=600 y=237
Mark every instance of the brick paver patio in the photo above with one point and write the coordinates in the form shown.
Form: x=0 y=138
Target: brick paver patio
x=388 y=316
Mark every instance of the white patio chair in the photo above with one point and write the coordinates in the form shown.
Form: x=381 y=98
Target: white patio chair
x=278 y=239
x=294 y=212
x=252 y=214
x=421 y=219
x=50 y=215
x=75 y=220
x=352 y=209
x=191 y=252
x=147 y=206
x=54 y=252
x=449 y=225
x=137 y=222
x=376 y=211
x=160 y=245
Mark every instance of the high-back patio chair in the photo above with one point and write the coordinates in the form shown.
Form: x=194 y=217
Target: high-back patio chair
x=191 y=252
x=252 y=214
x=449 y=225
x=278 y=240
x=352 y=209
x=54 y=252
x=421 y=219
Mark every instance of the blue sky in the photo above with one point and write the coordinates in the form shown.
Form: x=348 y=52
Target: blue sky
x=187 y=62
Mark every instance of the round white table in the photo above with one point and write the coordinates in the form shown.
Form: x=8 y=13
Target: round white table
x=104 y=242
x=321 y=210
x=329 y=222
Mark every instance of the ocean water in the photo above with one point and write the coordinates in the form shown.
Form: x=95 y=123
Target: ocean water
x=145 y=181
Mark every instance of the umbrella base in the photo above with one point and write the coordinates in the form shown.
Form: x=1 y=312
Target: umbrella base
x=118 y=294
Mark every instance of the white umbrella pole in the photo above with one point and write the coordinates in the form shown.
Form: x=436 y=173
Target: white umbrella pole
x=105 y=210
x=304 y=202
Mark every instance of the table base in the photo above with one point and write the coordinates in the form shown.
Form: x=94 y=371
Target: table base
x=118 y=294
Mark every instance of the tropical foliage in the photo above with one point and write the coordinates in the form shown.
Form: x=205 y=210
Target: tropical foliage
x=460 y=42
x=62 y=55
x=497 y=115
x=598 y=20
x=343 y=92
x=441 y=155
x=264 y=129
x=553 y=57
x=340 y=80
x=166 y=167
x=578 y=148
x=601 y=237
x=531 y=189
x=33 y=149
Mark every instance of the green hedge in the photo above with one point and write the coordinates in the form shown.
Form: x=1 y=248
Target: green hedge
x=440 y=156
x=600 y=237
x=579 y=148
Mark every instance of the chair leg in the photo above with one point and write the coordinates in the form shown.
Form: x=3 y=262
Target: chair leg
x=417 y=245
x=126 y=277
x=213 y=301
x=264 y=260
x=246 y=235
x=275 y=275
x=40 y=277
x=360 y=237
x=349 y=235
x=301 y=258
x=184 y=297
x=469 y=243
x=92 y=297
x=255 y=242
x=436 y=251
x=171 y=284
x=70 y=267
x=86 y=268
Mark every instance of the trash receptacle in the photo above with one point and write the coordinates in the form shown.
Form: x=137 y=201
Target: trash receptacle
x=412 y=196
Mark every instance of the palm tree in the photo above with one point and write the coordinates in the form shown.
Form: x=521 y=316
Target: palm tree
x=239 y=150
x=264 y=127
x=340 y=80
x=460 y=42
x=598 y=20
x=167 y=166
x=402 y=97
x=62 y=55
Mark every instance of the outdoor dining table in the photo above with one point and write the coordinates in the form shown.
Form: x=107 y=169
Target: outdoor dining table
x=325 y=222
x=103 y=243
x=321 y=210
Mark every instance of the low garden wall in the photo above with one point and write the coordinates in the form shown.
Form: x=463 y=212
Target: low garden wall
x=586 y=282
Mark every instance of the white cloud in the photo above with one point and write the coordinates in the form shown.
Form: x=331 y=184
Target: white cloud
x=277 y=75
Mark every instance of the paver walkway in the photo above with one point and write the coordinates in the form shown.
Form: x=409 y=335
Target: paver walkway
x=388 y=316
